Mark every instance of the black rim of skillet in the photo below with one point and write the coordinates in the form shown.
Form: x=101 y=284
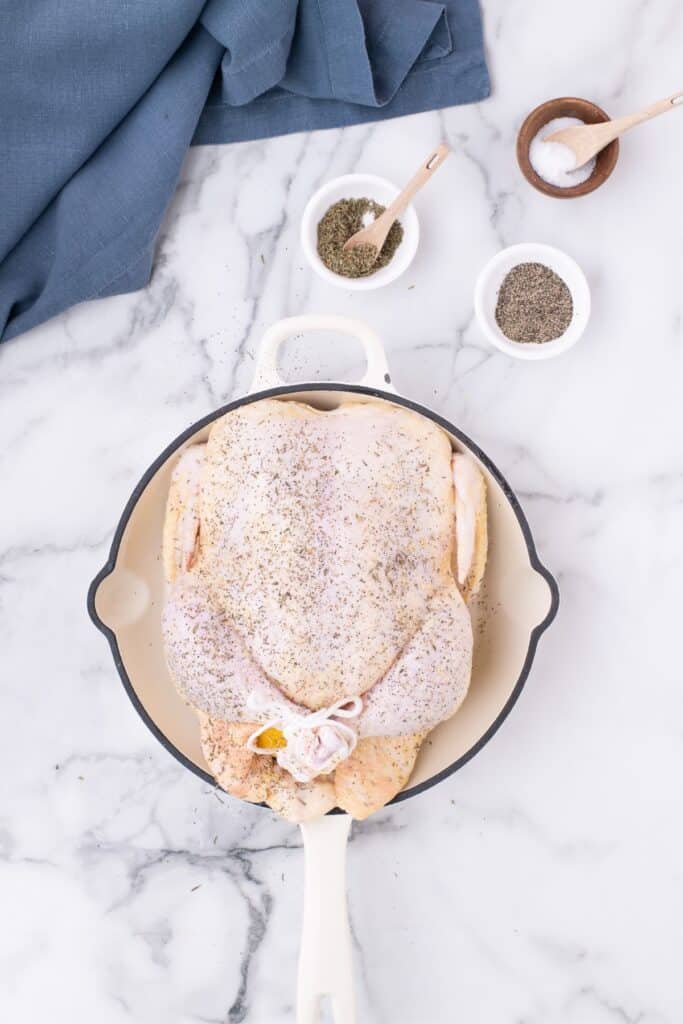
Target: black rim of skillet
x=358 y=389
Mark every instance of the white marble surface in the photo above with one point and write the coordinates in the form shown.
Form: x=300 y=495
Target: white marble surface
x=542 y=883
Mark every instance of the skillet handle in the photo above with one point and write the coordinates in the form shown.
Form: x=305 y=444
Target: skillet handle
x=325 y=960
x=266 y=374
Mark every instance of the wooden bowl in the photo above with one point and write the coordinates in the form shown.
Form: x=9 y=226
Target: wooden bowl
x=565 y=106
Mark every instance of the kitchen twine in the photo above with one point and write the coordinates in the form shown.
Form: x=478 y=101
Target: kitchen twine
x=348 y=707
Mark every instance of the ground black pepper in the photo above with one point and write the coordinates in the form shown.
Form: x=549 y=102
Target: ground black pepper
x=343 y=219
x=534 y=304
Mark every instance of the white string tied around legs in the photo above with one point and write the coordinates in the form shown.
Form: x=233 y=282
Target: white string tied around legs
x=305 y=735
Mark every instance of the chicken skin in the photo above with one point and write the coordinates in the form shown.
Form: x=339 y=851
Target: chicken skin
x=316 y=564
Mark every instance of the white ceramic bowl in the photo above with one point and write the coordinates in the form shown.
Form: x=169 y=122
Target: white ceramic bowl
x=358 y=186
x=492 y=276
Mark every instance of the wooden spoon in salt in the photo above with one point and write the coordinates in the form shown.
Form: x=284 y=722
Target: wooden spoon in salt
x=375 y=234
x=585 y=140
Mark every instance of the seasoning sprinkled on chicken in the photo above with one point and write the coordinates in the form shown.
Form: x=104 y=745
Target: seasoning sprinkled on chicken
x=313 y=617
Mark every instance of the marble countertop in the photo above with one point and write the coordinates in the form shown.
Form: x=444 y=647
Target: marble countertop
x=540 y=884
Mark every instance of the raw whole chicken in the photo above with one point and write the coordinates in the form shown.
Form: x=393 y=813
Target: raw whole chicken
x=318 y=564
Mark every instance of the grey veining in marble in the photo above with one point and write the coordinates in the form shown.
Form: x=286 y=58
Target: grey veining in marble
x=542 y=883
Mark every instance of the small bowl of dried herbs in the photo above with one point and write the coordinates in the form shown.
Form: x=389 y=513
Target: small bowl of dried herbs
x=532 y=301
x=341 y=208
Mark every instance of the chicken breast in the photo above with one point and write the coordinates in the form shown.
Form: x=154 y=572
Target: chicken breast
x=324 y=534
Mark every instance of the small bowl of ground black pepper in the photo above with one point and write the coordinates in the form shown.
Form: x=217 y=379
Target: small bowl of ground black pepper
x=532 y=301
x=341 y=208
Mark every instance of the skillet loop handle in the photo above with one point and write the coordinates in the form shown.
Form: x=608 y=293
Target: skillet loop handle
x=325 y=959
x=266 y=374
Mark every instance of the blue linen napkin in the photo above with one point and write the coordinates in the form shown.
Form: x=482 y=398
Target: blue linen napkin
x=99 y=102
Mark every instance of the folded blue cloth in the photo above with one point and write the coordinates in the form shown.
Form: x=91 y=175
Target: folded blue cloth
x=99 y=102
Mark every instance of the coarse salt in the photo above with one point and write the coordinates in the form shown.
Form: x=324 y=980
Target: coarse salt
x=555 y=162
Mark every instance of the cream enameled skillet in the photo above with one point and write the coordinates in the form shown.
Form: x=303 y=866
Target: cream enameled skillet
x=126 y=598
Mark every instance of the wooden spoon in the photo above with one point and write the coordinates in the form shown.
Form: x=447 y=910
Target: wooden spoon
x=376 y=233
x=585 y=140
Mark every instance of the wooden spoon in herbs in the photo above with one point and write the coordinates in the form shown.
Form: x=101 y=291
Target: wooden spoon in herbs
x=373 y=237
